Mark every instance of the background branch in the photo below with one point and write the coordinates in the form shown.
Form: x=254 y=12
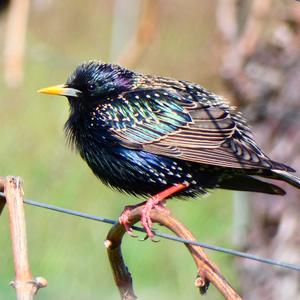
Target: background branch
x=143 y=36
x=261 y=68
x=15 y=42
x=239 y=42
x=207 y=271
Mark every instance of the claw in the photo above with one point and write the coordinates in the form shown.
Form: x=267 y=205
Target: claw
x=146 y=237
x=154 y=240
x=155 y=202
x=130 y=232
x=152 y=203
x=123 y=219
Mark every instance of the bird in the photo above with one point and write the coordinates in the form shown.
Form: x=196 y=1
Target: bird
x=159 y=137
x=3 y=6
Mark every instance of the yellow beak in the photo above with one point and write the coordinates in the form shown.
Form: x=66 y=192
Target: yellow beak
x=61 y=90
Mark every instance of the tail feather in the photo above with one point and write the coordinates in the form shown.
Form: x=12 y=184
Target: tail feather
x=282 y=167
x=250 y=184
x=285 y=176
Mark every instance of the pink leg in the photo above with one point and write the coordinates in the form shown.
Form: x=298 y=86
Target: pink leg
x=153 y=202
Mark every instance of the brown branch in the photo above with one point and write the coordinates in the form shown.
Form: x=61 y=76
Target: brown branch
x=239 y=44
x=15 y=41
x=26 y=286
x=144 y=34
x=226 y=17
x=254 y=27
x=207 y=271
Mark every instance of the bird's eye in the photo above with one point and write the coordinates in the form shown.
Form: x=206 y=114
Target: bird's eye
x=91 y=87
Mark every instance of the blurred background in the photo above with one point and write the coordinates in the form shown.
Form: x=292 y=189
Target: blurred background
x=245 y=50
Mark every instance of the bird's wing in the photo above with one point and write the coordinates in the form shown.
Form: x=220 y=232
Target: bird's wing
x=176 y=124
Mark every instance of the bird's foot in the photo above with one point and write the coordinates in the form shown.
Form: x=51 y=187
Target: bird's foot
x=124 y=218
x=151 y=203
x=155 y=202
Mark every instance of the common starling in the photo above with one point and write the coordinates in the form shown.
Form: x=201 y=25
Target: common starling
x=161 y=137
x=3 y=5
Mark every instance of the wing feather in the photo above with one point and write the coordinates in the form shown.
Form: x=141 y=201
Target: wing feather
x=168 y=122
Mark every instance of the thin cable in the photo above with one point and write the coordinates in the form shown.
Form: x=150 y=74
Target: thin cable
x=166 y=236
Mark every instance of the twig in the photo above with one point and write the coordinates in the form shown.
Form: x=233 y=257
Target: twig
x=26 y=286
x=143 y=36
x=226 y=17
x=254 y=27
x=238 y=47
x=15 y=41
x=207 y=271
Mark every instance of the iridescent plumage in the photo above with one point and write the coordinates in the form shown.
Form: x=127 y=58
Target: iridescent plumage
x=143 y=134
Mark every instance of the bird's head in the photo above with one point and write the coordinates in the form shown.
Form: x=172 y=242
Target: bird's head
x=93 y=81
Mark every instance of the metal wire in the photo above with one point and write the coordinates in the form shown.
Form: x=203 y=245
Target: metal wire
x=268 y=261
